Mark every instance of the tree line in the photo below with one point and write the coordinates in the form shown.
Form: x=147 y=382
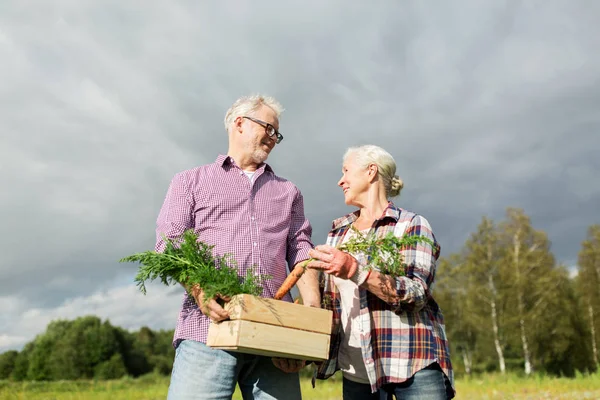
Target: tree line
x=508 y=306
x=88 y=348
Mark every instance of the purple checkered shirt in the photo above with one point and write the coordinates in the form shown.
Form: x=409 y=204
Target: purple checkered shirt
x=260 y=223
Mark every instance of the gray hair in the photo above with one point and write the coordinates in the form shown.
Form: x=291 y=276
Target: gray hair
x=386 y=165
x=248 y=105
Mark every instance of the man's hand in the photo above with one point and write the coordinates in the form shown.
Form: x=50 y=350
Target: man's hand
x=333 y=261
x=308 y=286
x=210 y=307
x=288 y=365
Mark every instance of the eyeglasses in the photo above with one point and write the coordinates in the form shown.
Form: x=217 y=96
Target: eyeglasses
x=269 y=129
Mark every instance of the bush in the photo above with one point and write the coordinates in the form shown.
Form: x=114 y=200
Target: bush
x=7 y=363
x=114 y=368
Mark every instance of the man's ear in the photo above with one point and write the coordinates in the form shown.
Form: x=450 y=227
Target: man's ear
x=237 y=123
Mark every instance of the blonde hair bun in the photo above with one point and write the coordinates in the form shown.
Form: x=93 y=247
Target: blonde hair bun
x=396 y=186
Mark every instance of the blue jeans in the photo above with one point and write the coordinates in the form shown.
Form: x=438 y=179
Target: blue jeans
x=357 y=391
x=200 y=372
x=427 y=384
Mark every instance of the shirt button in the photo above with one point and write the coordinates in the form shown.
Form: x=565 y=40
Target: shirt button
x=255 y=244
x=252 y=218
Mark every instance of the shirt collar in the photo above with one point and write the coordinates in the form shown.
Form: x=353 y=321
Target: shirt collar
x=224 y=161
x=391 y=211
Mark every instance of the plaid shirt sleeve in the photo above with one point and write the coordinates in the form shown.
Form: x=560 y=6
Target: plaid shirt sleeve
x=413 y=289
x=176 y=214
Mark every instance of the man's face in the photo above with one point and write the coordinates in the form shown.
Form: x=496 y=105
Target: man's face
x=256 y=142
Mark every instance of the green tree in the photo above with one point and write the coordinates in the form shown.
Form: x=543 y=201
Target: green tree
x=503 y=293
x=39 y=368
x=558 y=333
x=114 y=368
x=134 y=358
x=59 y=361
x=86 y=348
x=88 y=343
x=589 y=285
x=451 y=294
x=145 y=340
x=482 y=272
x=157 y=347
x=21 y=368
x=529 y=269
x=7 y=363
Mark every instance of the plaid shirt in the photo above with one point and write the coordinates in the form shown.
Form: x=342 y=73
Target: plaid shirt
x=260 y=223
x=401 y=338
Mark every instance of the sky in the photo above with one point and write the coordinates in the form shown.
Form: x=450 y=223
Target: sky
x=484 y=105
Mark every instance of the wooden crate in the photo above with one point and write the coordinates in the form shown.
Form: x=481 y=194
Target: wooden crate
x=272 y=328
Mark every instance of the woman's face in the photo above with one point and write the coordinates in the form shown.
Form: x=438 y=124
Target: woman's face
x=355 y=182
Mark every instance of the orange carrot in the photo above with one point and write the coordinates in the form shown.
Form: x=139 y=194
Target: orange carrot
x=291 y=280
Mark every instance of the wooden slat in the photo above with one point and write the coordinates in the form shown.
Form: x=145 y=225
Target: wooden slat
x=279 y=313
x=268 y=340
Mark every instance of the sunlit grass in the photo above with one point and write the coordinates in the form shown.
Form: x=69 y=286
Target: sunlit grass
x=512 y=386
x=489 y=386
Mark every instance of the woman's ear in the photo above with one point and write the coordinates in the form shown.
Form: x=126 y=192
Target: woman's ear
x=372 y=171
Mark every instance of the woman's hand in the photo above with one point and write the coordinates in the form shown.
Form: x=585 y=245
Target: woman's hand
x=333 y=261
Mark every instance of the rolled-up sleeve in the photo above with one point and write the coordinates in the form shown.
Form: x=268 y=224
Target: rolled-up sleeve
x=176 y=214
x=298 y=242
x=413 y=289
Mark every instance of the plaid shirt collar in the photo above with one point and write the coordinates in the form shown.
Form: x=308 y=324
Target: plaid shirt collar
x=391 y=211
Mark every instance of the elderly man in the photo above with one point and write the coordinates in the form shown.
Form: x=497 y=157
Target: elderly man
x=240 y=206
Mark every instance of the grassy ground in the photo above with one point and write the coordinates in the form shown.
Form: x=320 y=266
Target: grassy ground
x=151 y=388
x=536 y=387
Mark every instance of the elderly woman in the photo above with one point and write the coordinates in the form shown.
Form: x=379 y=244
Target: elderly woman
x=389 y=337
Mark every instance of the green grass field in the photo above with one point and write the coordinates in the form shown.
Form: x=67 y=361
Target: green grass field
x=151 y=387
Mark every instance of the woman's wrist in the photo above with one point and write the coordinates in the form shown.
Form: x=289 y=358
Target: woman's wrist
x=360 y=276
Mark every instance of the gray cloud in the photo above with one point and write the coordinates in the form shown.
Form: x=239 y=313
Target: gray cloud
x=483 y=106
